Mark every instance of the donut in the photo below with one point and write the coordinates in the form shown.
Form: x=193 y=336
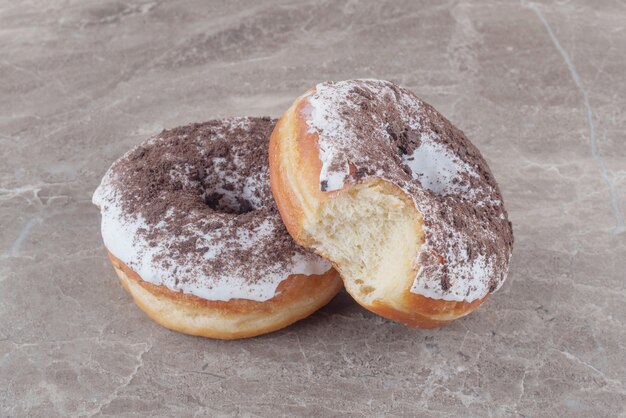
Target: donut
x=195 y=237
x=399 y=200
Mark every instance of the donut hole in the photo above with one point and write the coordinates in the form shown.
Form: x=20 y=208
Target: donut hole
x=230 y=185
x=372 y=232
x=228 y=203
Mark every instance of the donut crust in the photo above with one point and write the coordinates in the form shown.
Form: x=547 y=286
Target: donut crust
x=297 y=297
x=295 y=169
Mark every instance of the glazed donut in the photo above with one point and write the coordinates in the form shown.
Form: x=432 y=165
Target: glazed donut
x=399 y=200
x=194 y=235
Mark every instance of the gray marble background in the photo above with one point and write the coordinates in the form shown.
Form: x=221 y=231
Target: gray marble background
x=540 y=88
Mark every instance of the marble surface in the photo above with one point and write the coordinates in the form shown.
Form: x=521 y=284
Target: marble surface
x=539 y=87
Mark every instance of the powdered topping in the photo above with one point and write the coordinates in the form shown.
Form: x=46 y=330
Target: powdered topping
x=375 y=129
x=191 y=209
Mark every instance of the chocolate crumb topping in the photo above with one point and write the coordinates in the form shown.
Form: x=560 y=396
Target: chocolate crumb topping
x=195 y=204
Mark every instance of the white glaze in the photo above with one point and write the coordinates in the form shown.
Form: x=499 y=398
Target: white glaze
x=436 y=168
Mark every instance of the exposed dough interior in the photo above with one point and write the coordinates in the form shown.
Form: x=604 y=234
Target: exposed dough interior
x=372 y=233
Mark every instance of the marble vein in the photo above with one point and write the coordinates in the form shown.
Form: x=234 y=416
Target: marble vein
x=23 y=235
x=620 y=226
x=127 y=381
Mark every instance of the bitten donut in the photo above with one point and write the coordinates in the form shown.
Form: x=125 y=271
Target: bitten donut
x=398 y=199
x=195 y=237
